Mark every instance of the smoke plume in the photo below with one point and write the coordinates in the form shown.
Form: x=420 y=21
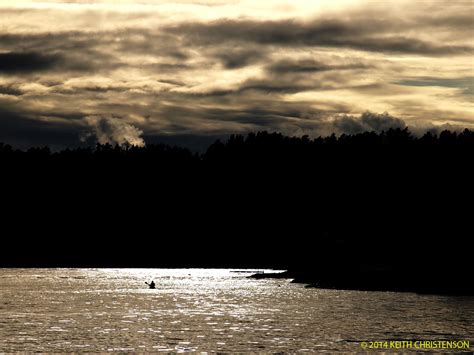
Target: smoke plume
x=114 y=131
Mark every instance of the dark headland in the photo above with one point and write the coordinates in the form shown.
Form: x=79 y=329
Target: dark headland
x=373 y=211
x=376 y=278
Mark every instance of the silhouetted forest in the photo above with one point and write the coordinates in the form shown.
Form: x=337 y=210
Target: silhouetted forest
x=395 y=149
x=387 y=201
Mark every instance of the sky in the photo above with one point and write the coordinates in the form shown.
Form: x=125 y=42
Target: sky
x=184 y=72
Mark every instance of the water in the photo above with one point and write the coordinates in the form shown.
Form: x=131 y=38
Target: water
x=52 y=310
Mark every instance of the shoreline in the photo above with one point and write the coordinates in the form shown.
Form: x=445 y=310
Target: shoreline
x=370 y=282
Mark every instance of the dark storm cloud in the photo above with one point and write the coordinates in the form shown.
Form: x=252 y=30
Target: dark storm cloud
x=361 y=34
x=274 y=87
x=309 y=66
x=59 y=52
x=27 y=62
x=90 y=51
x=282 y=82
x=286 y=78
x=264 y=86
x=368 y=121
x=263 y=32
x=10 y=90
x=465 y=85
x=45 y=42
x=239 y=58
x=404 y=45
x=171 y=82
x=254 y=115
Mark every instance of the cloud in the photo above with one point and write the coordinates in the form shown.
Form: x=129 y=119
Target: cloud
x=57 y=52
x=10 y=90
x=195 y=70
x=465 y=85
x=368 y=121
x=239 y=58
x=270 y=87
x=360 y=34
x=114 y=131
x=310 y=66
x=26 y=62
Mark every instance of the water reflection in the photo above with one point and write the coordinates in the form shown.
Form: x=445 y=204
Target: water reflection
x=208 y=310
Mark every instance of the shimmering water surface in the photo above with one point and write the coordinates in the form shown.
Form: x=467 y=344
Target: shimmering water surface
x=209 y=310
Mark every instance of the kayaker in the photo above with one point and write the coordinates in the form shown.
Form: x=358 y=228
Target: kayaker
x=151 y=284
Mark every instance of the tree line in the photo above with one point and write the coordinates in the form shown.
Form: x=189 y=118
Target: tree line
x=264 y=199
x=257 y=145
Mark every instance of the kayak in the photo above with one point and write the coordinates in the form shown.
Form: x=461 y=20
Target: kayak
x=152 y=286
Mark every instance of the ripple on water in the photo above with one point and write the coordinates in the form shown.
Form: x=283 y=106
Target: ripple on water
x=108 y=310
